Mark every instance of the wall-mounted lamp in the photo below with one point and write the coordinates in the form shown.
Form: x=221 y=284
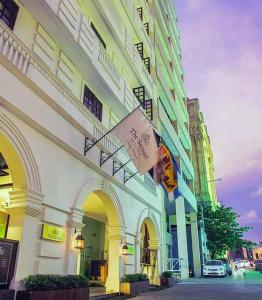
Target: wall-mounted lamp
x=79 y=242
x=124 y=249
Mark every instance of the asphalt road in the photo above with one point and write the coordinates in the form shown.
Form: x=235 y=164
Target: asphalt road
x=239 y=286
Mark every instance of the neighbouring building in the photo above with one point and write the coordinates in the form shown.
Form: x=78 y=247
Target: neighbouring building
x=203 y=162
x=202 y=155
x=257 y=251
x=69 y=71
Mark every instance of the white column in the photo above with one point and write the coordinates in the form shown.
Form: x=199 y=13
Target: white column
x=195 y=244
x=154 y=256
x=138 y=242
x=115 y=235
x=25 y=225
x=182 y=236
x=75 y=225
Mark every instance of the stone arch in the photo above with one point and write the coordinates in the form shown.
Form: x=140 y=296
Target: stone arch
x=109 y=196
x=18 y=149
x=148 y=217
x=149 y=258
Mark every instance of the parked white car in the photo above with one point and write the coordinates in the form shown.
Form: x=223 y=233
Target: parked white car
x=241 y=264
x=214 y=268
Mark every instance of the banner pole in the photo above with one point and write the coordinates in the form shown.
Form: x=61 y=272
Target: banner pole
x=105 y=159
x=87 y=148
x=115 y=170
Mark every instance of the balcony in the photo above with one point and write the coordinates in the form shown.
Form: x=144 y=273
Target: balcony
x=134 y=17
x=55 y=97
x=186 y=192
x=183 y=131
x=173 y=140
x=14 y=51
x=114 y=20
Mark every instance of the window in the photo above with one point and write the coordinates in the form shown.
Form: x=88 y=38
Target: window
x=8 y=12
x=98 y=35
x=92 y=103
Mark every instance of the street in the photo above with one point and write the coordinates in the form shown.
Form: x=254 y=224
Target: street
x=238 y=286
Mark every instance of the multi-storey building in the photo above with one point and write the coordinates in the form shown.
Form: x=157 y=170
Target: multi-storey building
x=69 y=71
x=202 y=156
x=173 y=118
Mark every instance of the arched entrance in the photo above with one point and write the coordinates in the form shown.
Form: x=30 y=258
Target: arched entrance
x=20 y=198
x=149 y=251
x=12 y=178
x=103 y=230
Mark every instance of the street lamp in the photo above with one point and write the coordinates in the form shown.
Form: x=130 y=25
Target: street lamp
x=217 y=179
x=124 y=249
x=79 y=242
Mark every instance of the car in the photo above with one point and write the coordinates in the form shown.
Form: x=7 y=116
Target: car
x=239 y=264
x=214 y=268
x=258 y=265
x=242 y=263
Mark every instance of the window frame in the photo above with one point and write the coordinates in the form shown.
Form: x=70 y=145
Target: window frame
x=12 y=8
x=92 y=103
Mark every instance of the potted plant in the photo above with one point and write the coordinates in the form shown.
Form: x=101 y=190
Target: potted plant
x=134 y=284
x=54 y=287
x=167 y=279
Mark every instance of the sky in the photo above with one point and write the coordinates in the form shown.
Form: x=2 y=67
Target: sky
x=221 y=43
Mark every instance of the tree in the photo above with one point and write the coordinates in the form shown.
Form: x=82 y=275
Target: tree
x=223 y=231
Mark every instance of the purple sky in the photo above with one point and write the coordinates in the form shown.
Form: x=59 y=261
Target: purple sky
x=222 y=56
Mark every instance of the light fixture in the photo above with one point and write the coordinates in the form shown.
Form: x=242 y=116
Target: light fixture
x=79 y=242
x=124 y=249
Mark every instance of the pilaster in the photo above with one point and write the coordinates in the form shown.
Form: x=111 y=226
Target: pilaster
x=138 y=242
x=26 y=212
x=182 y=236
x=195 y=244
x=116 y=234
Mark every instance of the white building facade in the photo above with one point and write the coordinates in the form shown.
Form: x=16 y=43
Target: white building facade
x=69 y=71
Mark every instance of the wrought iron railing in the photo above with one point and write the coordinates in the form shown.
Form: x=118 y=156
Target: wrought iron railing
x=174 y=265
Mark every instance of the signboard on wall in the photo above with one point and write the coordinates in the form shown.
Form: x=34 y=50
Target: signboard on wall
x=131 y=249
x=8 y=252
x=4 y=220
x=53 y=233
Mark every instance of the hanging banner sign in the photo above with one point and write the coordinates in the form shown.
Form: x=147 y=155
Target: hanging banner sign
x=53 y=233
x=4 y=220
x=137 y=135
x=164 y=171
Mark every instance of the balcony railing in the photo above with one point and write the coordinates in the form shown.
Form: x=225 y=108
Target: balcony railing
x=174 y=140
x=31 y=70
x=27 y=62
x=187 y=193
x=169 y=96
x=109 y=66
x=174 y=265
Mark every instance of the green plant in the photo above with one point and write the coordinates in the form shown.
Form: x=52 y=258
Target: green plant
x=223 y=230
x=41 y=282
x=134 y=277
x=167 y=274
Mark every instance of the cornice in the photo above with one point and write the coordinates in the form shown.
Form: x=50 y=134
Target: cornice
x=27 y=200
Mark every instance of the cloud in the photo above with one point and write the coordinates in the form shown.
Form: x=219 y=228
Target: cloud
x=193 y=5
x=223 y=65
x=257 y=192
x=250 y=217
